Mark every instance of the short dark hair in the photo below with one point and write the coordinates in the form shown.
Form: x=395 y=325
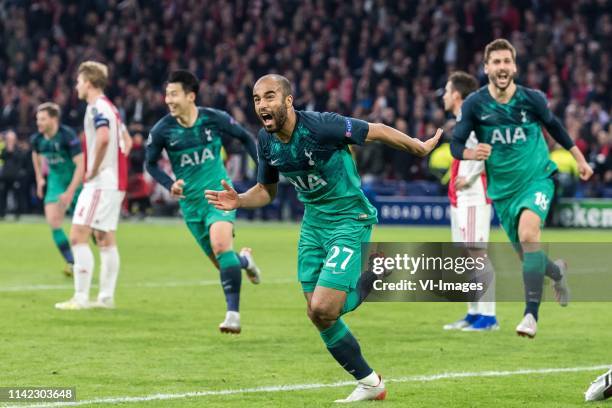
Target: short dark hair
x=52 y=109
x=284 y=84
x=463 y=83
x=499 y=45
x=282 y=81
x=188 y=80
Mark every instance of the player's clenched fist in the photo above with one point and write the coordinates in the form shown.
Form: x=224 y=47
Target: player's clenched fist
x=585 y=170
x=482 y=151
x=177 y=189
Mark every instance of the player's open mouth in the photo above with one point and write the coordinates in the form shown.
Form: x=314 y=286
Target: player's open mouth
x=503 y=76
x=266 y=118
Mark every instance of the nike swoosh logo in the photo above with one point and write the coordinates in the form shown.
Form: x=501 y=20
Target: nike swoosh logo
x=484 y=117
x=273 y=162
x=172 y=143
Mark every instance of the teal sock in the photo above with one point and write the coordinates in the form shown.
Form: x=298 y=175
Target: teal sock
x=344 y=347
x=353 y=299
x=61 y=241
x=231 y=278
x=534 y=267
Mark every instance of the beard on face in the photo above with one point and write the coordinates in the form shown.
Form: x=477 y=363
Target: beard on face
x=279 y=117
x=494 y=79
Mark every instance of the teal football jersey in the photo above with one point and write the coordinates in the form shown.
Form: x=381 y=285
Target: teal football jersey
x=519 y=151
x=317 y=161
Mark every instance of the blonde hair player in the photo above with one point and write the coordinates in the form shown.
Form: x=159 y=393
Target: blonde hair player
x=99 y=204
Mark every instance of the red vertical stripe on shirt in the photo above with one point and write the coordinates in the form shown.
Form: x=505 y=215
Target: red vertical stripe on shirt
x=452 y=190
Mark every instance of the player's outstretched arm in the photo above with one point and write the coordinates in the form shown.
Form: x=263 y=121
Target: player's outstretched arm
x=401 y=141
x=228 y=199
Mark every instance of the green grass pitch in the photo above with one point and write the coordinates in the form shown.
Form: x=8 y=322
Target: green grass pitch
x=163 y=337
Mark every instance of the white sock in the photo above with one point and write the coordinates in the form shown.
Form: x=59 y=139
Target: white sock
x=109 y=270
x=472 y=308
x=83 y=271
x=486 y=308
x=372 y=380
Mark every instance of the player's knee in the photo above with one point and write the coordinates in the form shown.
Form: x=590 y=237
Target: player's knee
x=54 y=223
x=220 y=247
x=310 y=314
x=529 y=235
x=77 y=237
x=53 y=219
x=322 y=311
x=57 y=222
x=102 y=238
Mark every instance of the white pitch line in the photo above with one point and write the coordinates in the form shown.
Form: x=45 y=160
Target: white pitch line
x=302 y=387
x=171 y=284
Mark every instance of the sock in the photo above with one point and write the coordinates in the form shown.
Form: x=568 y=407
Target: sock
x=534 y=266
x=109 y=270
x=473 y=308
x=487 y=308
x=231 y=277
x=344 y=348
x=552 y=270
x=356 y=296
x=243 y=261
x=486 y=303
x=83 y=271
x=61 y=241
x=372 y=380
x=353 y=299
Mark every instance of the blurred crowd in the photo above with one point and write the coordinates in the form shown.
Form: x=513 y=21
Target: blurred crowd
x=380 y=60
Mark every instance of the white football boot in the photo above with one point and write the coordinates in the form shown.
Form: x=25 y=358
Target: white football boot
x=231 y=324
x=366 y=393
x=105 y=303
x=252 y=271
x=72 y=304
x=527 y=327
x=600 y=389
x=560 y=287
